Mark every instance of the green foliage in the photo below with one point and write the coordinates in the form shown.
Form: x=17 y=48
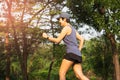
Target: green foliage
x=2 y=58
x=2 y=66
x=81 y=10
x=38 y=64
x=99 y=14
x=98 y=59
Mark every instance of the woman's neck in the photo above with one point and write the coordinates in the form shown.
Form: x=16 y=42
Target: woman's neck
x=66 y=24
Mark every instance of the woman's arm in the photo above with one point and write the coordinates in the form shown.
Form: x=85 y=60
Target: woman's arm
x=59 y=38
x=81 y=39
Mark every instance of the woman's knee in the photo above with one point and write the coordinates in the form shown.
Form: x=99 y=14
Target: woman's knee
x=62 y=73
x=79 y=76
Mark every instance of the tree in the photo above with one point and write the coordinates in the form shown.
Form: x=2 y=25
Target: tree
x=18 y=30
x=24 y=38
x=101 y=15
x=98 y=59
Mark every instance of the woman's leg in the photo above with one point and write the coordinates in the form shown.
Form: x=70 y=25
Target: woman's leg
x=78 y=72
x=65 y=65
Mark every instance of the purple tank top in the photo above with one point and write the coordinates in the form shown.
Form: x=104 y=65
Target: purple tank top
x=71 y=43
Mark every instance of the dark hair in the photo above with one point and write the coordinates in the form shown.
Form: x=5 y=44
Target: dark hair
x=67 y=20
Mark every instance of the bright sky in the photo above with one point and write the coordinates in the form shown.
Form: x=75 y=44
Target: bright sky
x=92 y=33
x=1 y=12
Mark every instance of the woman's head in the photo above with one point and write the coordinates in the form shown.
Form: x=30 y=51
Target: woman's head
x=64 y=15
x=64 y=18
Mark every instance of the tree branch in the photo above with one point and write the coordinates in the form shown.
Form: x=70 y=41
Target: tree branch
x=39 y=11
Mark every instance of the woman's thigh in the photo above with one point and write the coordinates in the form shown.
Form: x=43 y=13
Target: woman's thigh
x=65 y=65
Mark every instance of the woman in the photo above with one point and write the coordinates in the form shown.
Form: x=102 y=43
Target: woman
x=73 y=56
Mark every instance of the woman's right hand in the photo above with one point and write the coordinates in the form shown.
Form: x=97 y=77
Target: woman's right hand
x=44 y=35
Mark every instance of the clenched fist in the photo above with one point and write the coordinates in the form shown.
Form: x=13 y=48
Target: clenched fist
x=44 y=35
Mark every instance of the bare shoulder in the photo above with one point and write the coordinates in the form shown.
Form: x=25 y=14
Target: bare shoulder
x=68 y=30
x=67 y=27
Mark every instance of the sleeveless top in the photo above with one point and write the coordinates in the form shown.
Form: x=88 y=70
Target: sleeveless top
x=71 y=43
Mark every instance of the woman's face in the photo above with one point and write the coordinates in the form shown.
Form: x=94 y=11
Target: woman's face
x=62 y=21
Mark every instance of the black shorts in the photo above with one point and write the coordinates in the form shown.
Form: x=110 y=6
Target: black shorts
x=73 y=57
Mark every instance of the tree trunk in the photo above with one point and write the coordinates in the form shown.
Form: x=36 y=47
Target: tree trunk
x=115 y=56
x=20 y=55
x=25 y=54
x=51 y=65
x=9 y=21
x=48 y=78
x=8 y=56
x=116 y=66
